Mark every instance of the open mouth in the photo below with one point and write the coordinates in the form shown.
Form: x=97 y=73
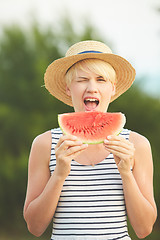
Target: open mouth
x=91 y=103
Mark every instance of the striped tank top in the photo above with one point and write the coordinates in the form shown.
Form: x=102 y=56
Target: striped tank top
x=91 y=204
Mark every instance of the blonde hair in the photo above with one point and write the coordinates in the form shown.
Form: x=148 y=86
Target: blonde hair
x=96 y=66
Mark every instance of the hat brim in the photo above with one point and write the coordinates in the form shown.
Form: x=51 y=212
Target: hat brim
x=55 y=74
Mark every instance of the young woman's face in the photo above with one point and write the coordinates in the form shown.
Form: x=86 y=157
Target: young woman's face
x=90 y=92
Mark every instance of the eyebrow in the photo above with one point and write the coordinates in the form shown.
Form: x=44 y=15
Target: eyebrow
x=83 y=77
x=88 y=78
x=100 y=76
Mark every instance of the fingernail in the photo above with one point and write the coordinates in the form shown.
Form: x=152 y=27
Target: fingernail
x=106 y=141
x=74 y=138
x=109 y=137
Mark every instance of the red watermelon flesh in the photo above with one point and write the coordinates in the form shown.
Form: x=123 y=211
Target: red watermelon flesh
x=91 y=127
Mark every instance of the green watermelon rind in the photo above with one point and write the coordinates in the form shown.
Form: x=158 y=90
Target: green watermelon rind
x=97 y=141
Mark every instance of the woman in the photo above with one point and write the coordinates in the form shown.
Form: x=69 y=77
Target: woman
x=89 y=202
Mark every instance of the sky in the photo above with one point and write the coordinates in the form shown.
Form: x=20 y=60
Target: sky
x=132 y=26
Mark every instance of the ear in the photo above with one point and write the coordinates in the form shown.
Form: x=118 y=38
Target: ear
x=68 y=91
x=113 y=89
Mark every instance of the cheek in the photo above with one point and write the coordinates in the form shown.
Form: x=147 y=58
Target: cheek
x=70 y=89
x=110 y=89
x=76 y=89
x=108 y=93
x=75 y=93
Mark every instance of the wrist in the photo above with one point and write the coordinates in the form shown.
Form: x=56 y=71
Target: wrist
x=126 y=175
x=61 y=177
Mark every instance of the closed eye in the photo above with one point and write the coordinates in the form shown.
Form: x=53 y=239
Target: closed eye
x=82 y=79
x=101 y=80
x=79 y=81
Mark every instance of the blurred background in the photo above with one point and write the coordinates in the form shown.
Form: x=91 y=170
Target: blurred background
x=33 y=33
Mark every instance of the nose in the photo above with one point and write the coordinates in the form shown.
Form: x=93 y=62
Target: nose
x=92 y=86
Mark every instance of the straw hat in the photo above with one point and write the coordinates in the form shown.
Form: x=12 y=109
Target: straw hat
x=55 y=74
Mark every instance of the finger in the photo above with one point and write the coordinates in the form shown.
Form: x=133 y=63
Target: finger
x=116 y=142
x=123 y=155
x=124 y=147
x=117 y=149
x=120 y=155
x=116 y=138
x=119 y=141
x=76 y=149
x=69 y=144
x=64 y=138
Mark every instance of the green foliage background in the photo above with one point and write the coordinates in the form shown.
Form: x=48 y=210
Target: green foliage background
x=27 y=109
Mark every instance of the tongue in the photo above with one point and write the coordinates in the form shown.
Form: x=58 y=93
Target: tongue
x=91 y=105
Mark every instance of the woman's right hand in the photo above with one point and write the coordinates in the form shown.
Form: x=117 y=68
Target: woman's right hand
x=67 y=148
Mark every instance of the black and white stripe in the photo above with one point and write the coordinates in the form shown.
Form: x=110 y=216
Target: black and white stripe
x=91 y=205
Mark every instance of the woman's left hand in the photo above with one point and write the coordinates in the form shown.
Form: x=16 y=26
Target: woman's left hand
x=123 y=151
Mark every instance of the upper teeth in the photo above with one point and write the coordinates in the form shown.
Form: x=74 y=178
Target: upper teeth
x=91 y=99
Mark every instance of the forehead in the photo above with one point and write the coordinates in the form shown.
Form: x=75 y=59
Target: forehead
x=88 y=66
x=86 y=73
x=95 y=66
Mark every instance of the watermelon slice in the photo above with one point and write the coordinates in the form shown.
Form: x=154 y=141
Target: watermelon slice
x=91 y=127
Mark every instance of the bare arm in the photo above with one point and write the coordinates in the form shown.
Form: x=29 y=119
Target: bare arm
x=137 y=184
x=141 y=210
x=43 y=190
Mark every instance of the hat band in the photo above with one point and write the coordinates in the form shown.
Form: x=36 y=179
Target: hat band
x=90 y=52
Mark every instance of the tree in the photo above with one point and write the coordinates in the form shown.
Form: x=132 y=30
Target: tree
x=26 y=108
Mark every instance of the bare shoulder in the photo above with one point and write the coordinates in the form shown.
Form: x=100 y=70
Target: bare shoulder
x=143 y=153
x=41 y=146
x=139 y=141
x=38 y=171
x=43 y=140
